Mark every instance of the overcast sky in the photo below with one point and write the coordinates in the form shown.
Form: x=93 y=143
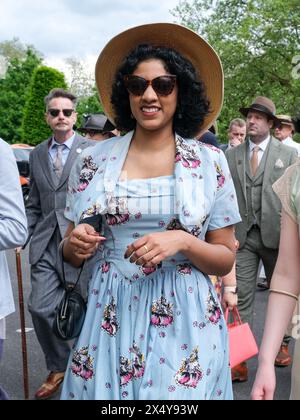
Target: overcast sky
x=76 y=28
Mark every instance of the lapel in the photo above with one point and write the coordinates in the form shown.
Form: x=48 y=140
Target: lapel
x=79 y=144
x=273 y=154
x=45 y=163
x=241 y=159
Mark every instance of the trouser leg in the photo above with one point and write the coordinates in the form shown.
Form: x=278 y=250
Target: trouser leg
x=247 y=263
x=46 y=293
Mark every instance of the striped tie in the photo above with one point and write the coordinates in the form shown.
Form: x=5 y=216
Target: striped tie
x=58 y=162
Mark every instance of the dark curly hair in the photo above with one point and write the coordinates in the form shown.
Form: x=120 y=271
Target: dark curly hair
x=193 y=105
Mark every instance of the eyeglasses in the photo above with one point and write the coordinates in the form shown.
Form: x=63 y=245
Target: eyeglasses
x=162 y=85
x=55 y=112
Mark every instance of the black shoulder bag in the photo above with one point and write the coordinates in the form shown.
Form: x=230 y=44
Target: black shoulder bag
x=70 y=313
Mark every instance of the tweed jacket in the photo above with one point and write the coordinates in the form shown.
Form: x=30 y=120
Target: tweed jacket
x=278 y=159
x=47 y=198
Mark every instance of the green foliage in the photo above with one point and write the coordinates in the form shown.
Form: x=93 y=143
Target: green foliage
x=13 y=90
x=88 y=105
x=258 y=42
x=34 y=127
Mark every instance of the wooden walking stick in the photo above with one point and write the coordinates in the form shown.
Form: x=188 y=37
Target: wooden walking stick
x=22 y=320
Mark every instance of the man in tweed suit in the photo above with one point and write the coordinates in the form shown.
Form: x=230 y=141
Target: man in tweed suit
x=50 y=165
x=255 y=165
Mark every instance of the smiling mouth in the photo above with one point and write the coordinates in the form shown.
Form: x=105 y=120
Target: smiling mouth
x=150 y=110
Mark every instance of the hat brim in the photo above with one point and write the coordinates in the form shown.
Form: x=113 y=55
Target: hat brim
x=188 y=43
x=87 y=129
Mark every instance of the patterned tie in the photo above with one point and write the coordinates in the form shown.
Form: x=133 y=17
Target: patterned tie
x=254 y=160
x=58 y=162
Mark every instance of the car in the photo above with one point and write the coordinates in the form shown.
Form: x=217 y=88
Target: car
x=22 y=152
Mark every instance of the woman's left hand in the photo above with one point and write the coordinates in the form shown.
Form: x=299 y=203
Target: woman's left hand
x=229 y=300
x=151 y=250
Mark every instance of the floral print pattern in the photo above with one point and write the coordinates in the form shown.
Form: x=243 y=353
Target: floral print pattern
x=87 y=173
x=82 y=364
x=162 y=313
x=110 y=322
x=190 y=372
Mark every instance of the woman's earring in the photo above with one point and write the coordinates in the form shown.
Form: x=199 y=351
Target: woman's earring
x=132 y=117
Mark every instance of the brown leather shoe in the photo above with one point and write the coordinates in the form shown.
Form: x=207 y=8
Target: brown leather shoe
x=50 y=387
x=239 y=373
x=283 y=358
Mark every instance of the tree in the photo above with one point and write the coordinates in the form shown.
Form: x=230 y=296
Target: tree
x=258 y=42
x=34 y=127
x=81 y=81
x=89 y=105
x=13 y=90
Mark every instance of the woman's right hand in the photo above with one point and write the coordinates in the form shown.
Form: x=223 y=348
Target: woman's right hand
x=82 y=242
x=265 y=383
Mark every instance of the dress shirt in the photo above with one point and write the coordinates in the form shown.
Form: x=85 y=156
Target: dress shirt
x=65 y=152
x=262 y=148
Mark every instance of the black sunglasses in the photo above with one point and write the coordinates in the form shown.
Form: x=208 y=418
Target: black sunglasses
x=55 y=112
x=162 y=85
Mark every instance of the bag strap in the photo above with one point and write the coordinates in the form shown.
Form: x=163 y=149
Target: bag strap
x=69 y=287
x=236 y=316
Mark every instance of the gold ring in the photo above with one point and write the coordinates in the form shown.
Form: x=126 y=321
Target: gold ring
x=146 y=248
x=79 y=238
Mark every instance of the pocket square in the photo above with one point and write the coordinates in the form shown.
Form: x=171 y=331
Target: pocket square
x=279 y=164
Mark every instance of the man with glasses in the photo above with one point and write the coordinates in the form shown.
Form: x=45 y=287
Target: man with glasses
x=50 y=166
x=97 y=127
x=285 y=131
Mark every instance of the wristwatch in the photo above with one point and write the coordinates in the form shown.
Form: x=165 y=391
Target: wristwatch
x=231 y=289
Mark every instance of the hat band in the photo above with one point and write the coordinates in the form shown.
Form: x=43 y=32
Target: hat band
x=262 y=108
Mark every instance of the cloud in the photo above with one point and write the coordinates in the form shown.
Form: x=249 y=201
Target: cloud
x=64 y=28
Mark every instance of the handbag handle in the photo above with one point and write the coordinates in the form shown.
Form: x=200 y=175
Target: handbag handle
x=68 y=287
x=236 y=316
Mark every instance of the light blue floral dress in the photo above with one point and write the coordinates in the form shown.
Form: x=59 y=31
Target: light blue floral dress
x=150 y=334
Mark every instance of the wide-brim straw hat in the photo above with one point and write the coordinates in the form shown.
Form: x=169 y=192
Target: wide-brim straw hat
x=187 y=42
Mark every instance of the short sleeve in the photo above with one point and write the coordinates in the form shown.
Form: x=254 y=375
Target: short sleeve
x=225 y=210
x=284 y=188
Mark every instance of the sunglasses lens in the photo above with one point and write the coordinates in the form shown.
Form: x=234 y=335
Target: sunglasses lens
x=55 y=112
x=136 y=85
x=164 y=85
x=68 y=112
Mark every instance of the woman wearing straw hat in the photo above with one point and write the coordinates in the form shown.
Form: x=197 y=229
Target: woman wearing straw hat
x=154 y=328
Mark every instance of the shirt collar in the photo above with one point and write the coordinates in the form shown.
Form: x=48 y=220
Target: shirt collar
x=263 y=145
x=68 y=143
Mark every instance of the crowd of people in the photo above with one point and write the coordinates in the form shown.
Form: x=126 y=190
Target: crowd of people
x=183 y=227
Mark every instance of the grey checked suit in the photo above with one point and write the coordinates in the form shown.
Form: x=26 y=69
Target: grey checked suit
x=47 y=226
x=260 y=209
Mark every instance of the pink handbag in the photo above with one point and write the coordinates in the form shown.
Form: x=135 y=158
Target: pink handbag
x=242 y=344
